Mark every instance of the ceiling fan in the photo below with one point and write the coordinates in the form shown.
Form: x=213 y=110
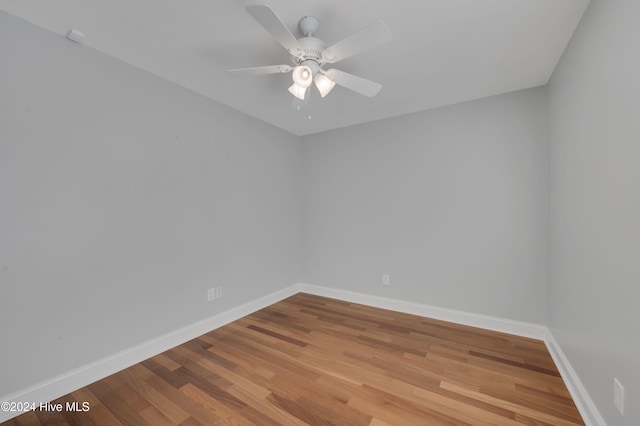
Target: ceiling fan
x=309 y=54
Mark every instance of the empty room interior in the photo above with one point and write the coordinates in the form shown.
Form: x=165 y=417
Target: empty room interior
x=320 y=212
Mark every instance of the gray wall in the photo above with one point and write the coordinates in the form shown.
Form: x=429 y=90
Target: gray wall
x=595 y=204
x=450 y=202
x=123 y=198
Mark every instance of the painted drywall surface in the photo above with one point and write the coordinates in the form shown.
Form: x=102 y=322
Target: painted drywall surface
x=451 y=203
x=595 y=204
x=123 y=198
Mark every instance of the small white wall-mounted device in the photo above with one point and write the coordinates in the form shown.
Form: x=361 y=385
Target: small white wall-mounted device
x=75 y=35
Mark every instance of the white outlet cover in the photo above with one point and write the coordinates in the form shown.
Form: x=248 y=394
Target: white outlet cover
x=211 y=294
x=618 y=395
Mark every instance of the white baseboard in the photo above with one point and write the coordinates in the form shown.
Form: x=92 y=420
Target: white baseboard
x=581 y=398
x=70 y=381
x=82 y=376
x=503 y=325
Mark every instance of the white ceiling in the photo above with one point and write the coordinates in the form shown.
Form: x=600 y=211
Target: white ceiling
x=441 y=52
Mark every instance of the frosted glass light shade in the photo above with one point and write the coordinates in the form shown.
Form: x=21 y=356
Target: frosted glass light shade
x=324 y=85
x=298 y=91
x=302 y=76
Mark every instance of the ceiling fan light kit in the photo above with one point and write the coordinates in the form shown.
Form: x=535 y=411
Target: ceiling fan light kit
x=302 y=76
x=298 y=91
x=309 y=54
x=324 y=85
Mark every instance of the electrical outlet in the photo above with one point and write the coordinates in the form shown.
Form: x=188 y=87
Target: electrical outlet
x=386 y=279
x=218 y=292
x=618 y=395
x=211 y=294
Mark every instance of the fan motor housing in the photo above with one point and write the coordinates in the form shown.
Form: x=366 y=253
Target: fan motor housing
x=312 y=48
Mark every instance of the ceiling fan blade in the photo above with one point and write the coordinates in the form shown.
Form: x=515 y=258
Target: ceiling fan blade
x=270 y=21
x=368 y=37
x=357 y=84
x=269 y=69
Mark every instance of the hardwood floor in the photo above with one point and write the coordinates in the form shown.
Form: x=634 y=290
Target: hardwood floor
x=313 y=360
